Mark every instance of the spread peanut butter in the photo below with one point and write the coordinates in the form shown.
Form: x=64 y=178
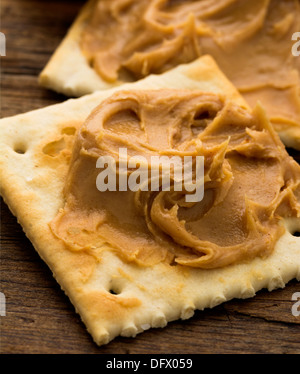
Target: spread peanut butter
x=250 y=40
x=250 y=182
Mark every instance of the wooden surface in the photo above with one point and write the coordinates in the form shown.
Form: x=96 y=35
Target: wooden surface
x=39 y=317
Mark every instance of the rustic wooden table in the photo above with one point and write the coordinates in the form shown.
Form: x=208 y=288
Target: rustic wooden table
x=39 y=317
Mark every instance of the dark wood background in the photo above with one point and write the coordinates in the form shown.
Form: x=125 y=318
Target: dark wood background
x=39 y=317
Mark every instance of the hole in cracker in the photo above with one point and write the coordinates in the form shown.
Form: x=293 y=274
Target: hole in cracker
x=20 y=148
x=114 y=288
x=54 y=148
x=296 y=233
x=113 y=292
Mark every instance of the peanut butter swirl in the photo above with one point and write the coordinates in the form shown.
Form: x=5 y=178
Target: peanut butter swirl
x=250 y=182
x=250 y=40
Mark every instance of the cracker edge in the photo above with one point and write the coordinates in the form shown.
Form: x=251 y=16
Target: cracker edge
x=64 y=71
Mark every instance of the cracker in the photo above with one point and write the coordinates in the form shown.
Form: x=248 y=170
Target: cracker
x=115 y=297
x=69 y=72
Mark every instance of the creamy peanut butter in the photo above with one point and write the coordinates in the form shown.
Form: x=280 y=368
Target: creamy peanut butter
x=250 y=40
x=250 y=182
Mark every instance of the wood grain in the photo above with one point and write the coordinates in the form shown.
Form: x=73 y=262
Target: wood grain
x=39 y=317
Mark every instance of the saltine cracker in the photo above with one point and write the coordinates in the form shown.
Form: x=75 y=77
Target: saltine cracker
x=114 y=297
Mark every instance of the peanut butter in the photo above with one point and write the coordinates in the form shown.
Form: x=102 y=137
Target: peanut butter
x=250 y=40
x=250 y=182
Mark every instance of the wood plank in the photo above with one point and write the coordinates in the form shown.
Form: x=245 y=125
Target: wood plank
x=40 y=318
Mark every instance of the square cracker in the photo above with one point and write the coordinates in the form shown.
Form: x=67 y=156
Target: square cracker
x=113 y=297
x=69 y=72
